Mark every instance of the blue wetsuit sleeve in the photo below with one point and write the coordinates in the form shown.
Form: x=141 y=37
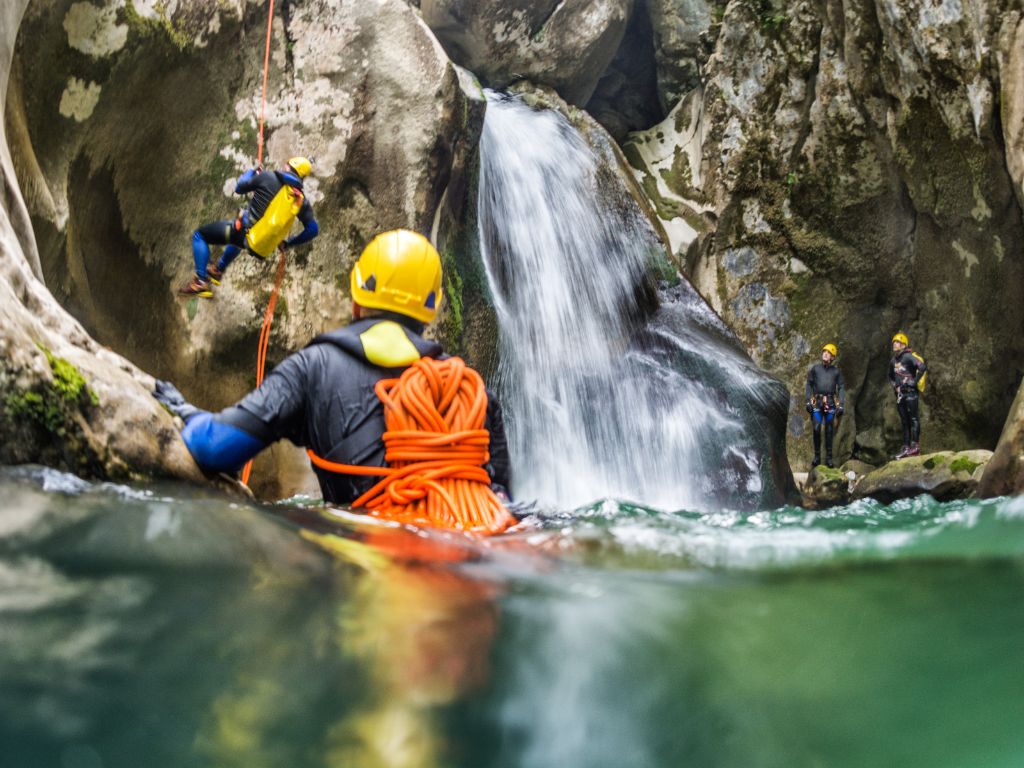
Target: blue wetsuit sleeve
x=310 y=228
x=219 y=447
x=244 y=183
x=224 y=441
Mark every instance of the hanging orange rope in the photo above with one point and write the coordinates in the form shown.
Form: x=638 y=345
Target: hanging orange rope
x=261 y=354
x=436 y=447
x=268 y=316
x=266 y=70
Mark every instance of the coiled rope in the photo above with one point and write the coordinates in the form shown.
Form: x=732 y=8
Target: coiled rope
x=436 y=447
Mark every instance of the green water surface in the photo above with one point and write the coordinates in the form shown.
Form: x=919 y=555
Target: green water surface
x=170 y=627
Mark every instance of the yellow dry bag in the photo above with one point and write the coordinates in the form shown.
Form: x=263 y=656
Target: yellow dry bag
x=920 y=384
x=273 y=226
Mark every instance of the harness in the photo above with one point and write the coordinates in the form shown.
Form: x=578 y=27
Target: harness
x=823 y=403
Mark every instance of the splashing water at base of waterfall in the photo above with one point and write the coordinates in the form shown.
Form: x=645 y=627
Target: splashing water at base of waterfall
x=597 y=404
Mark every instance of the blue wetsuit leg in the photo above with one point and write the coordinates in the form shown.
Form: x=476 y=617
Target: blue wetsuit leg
x=200 y=253
x=229 y=255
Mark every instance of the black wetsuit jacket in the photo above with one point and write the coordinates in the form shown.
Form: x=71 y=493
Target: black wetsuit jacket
x=322 y=398
x=825 y=380
x=263 y=186
x=905 y=371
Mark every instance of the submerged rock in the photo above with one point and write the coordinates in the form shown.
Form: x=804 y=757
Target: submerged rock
x=945 y=475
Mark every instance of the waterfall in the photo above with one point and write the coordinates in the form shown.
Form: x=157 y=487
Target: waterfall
x=602 y=391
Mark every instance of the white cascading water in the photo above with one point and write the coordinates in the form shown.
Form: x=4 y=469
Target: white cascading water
x=590 y=414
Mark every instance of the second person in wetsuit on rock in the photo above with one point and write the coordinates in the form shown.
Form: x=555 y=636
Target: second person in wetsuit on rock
x=906 y=372
x=826 y=398
x=231 y=233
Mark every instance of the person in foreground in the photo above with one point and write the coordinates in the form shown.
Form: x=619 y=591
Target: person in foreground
x=907 y=370
x=825 y=393
x=277 y=200
x=323 y=398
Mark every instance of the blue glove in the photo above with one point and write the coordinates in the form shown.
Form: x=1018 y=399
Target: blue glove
x=170 y=398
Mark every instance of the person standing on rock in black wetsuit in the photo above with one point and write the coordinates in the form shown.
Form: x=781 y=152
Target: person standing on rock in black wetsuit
x=907 y=370
x=826 y=397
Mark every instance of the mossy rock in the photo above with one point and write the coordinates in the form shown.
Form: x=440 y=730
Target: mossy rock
x=826 y=487
x=945 y=475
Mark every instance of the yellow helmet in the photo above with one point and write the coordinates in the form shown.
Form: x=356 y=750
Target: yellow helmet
x=831 y=349
x=902 y=339
x=399 y=271
x=301 y=166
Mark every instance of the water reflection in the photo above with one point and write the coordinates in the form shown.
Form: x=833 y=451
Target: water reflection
x=423 y=632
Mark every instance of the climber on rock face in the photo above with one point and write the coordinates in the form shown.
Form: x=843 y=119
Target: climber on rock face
x=323 y=397
x=825 y=394
x=277 y=200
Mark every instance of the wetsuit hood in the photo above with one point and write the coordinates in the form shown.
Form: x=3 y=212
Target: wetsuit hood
x=388 y=341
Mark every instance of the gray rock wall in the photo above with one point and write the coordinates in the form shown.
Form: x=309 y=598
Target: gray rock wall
x=563 y=44
x=65 y=400
x=851 y=168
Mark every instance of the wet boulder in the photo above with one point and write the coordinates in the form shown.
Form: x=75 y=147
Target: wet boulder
x=1004 y=474
x=564 y=44
x=945 y=475
x=826 y=487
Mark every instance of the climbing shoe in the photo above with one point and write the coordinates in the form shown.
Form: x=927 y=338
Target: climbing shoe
x=815 y=461
x=914 y=450
x=214 y=274
x=197 y=287
x=829 y=464
x=903 y=453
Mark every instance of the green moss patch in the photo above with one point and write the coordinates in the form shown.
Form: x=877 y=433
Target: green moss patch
x=963 y=464
x=52 y=403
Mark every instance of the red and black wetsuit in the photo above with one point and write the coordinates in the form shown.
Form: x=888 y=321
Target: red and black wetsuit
x=905 y=372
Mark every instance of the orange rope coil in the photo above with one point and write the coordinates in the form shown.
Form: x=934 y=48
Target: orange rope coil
x=436 y=447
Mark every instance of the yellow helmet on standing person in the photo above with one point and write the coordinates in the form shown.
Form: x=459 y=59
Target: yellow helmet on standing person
x=901 y=338
x=831 y=349
x=399 y=271
x=301 y=166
